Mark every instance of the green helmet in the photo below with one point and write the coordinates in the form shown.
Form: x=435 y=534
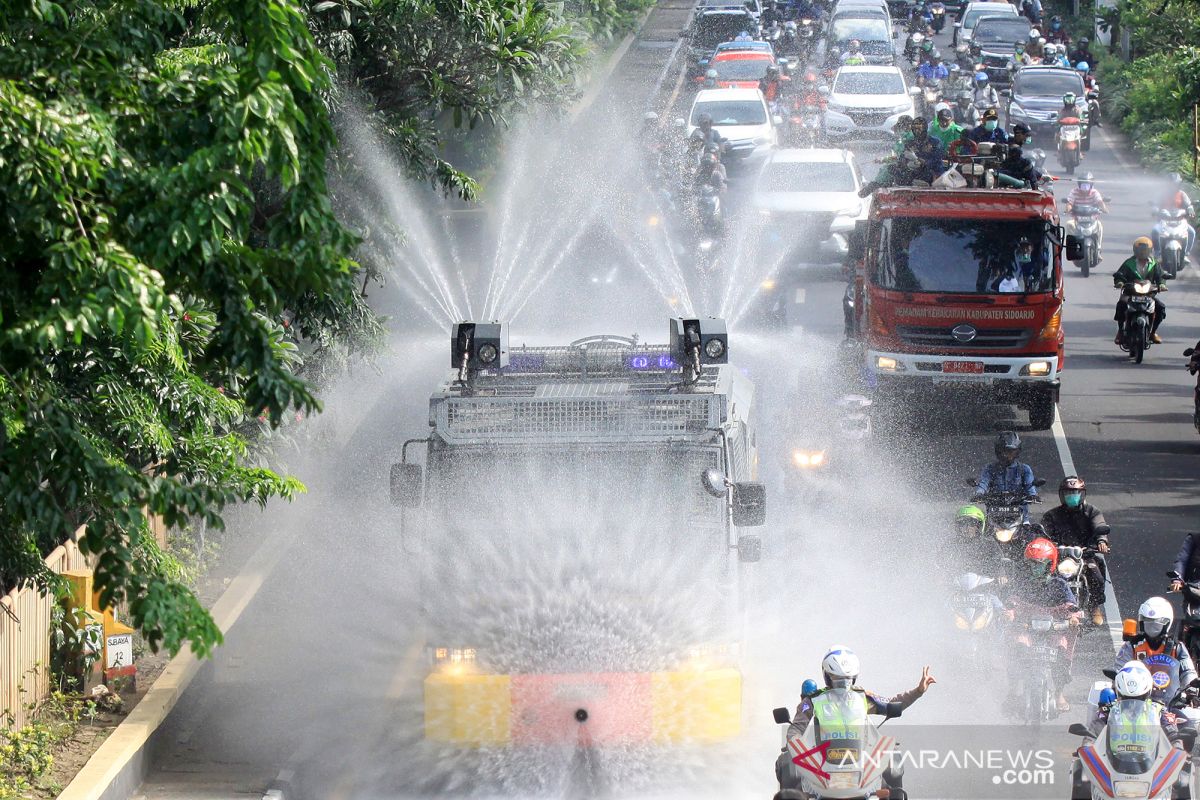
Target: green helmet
x=970 y=519
x=1069 y=99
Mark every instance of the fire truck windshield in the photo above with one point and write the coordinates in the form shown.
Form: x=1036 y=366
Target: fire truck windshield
x=962 y=256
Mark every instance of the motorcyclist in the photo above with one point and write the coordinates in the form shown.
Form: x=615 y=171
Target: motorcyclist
x=932 y=70
x=1056 y=55
x=1086 y=194
x=1007 y=473
x=711 y=173
x=1176 y=198
x=985 y=95
x=1187 y=563
x=706 y=133
x=1154 y=646
x=926 y=52
x=771 y=85
x=1141 y=266
x=854 y=54
x=1021 y=56
x=1037 y=590
x=1082 y=52
x=965 y=112
x=1020 y=134
x=712 y=79
x=1032 y=10
x=1134 y=681
x=1070 y=108
x=1077 y=523
x=1084 y=68
x=990 y=130
x=980 y=554
x=1034 y=48
x=840 y=668
x=1057 y=32
x=809 y=94
x=944 y=127
x=929 y=149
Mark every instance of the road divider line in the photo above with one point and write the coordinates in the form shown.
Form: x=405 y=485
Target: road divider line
x=1112 y=612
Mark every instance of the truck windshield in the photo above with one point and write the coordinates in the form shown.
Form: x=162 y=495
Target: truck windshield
x=919 y=254
x=652 y=487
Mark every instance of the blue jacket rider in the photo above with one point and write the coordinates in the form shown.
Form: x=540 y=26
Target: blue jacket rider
x=1007 y=474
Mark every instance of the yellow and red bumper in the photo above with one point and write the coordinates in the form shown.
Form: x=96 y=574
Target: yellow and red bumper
x=621 y=708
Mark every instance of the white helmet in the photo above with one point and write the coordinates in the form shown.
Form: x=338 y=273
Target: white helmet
x=840 y=666
x=1134 y=681
x=1155 y=617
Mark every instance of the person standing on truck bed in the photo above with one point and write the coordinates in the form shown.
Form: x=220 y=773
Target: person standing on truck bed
x=990 y=130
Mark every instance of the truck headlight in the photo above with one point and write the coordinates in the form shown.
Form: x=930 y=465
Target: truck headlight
x=888 y=364
x=1036 y=369
x=806 y=459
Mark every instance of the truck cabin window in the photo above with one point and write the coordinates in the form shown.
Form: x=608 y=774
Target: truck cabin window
x=963 y=256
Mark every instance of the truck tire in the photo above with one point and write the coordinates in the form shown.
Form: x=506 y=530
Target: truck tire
x=1041 y=412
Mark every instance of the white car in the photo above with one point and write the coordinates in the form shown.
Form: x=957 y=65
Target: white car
x=868 y=101
x=811 y=194
x=742 y=117
x=972 y=13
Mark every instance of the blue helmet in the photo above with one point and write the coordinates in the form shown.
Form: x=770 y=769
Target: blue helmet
x=1083 y=67
x=1107 y=697
x=981 y=77
x=808 y=688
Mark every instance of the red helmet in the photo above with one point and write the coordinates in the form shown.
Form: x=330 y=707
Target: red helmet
x=1044 y=554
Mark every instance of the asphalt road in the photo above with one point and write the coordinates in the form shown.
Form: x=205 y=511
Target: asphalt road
x=321 y=678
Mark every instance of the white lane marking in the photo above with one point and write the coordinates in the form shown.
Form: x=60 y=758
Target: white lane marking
x=1112 y=612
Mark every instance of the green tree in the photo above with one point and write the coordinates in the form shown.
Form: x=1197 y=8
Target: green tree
x=165 y=239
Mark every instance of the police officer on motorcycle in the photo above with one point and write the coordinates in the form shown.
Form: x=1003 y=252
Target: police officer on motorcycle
x=1159 y=651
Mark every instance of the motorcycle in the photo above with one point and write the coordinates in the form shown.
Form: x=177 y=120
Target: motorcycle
x=1193 y=367
x=1136 y=760
x=1139 y=318
x=1087 y=228
x=975 y=609
x=1005 y=512
x=1073 y=563
x=841 y=755
x=938 y=21
x=1068 y=139
x=709 y=211
x=1172 y=240
x=1037 y=693
x=931 y=94
x=805 y=126
x=1189 y=622
x=1093 y=104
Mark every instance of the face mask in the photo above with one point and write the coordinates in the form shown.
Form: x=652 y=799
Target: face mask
x=1024 y=258
x=990 y=125
x=1073 y=499
x=1039 y=569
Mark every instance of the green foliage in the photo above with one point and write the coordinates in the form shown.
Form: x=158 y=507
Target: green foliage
x=420 y=67
x=27 y=754
x=605 y=19
x=1152 y=95
x=165 y=214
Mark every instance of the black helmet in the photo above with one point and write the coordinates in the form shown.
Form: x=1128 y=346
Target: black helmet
x=1083 y=41
x=710 y=160
x=1021 y=127
x=772 y=71
x=1008 y=440
x=704 y=119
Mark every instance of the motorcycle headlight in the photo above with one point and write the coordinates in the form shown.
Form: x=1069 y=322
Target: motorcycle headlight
x=1004 y=535
x=808 y=459
x=960 y=622
x=1131 y=788
x=1068 y=568
x=983 y=620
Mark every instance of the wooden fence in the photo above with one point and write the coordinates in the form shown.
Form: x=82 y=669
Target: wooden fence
x=25 y=640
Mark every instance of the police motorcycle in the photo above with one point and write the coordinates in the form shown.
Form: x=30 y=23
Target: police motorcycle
x=1131 y=756
x=840 y=755
x=1139 y=318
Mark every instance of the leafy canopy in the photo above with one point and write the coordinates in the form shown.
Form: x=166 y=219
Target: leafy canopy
x=165 y=205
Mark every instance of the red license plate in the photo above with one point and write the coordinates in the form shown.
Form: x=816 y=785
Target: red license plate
x=963 y=367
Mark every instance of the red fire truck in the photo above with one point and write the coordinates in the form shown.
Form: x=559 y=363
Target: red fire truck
x=961 y=290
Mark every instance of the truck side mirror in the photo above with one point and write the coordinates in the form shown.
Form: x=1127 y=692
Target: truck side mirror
x=1189 y=351
x=750 y=549
x=749 y=505
x=1074 y=248
x=407 y=485
x=782 y=716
